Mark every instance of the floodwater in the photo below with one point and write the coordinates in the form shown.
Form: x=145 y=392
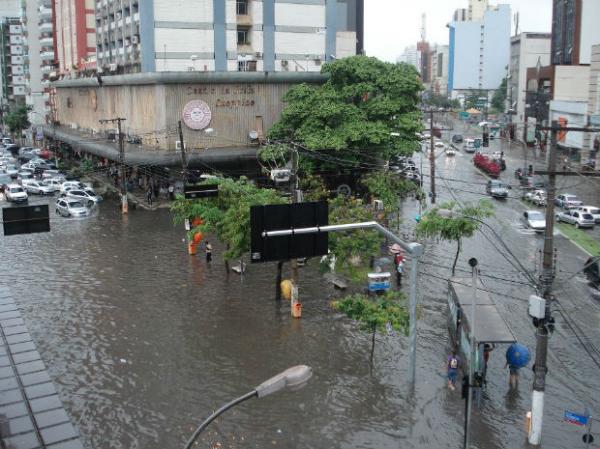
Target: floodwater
x=144 y=341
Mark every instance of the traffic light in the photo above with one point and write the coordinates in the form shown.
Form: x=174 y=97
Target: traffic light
x=486 y=139
x=464 y=391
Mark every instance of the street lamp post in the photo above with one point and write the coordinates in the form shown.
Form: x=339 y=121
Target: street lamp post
x=292 y=378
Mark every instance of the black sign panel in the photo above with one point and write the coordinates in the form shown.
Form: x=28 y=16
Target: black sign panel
x=288 y=216
x=203 y=191
x=26 y=219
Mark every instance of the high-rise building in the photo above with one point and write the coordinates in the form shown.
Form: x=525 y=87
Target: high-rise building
x=439 y=70
x=75 y=38
x=477 y=9
x=574 y=30
x=411 y=56
x=460 y=15
x=225 y=35
x=12 y=61
x=479 y=51
x=526 y=50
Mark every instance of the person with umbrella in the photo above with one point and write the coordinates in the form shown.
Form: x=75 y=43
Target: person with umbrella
x=398 y=262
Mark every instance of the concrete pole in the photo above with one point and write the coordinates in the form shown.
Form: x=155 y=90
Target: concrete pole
x=414 y=269
x=124 y=202
x=473 y=355
x=431 y=157
x=541 y=351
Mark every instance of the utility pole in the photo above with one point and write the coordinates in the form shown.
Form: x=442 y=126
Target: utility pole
x=124 y=203
x=296 y=308
x=472 y=356
x=431 y=157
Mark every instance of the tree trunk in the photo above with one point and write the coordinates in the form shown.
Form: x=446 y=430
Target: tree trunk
x=456 y=257
x=227 y=262
x=278 y=281
x=373 y=346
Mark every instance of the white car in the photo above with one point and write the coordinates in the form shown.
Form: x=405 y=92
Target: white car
x=577 y=218
x=537 y=197
x=439 y=144
x=55 y=183
x=535 y=220
x=70 y=185
x=15 y=193
x=568 y=201
x=84 y=194
x=68 y=207
x=39 y=187
x=592 y=210
x=12 y=170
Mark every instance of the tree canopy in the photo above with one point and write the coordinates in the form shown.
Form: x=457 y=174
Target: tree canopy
x=367 y=109
x=455 y=224
x=499 y=98
x=228 y=215
x=17 y=120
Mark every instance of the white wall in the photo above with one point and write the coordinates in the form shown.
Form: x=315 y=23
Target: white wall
x=291 y=14
x=183 y=11
x=496 y=52
x=466 y=55
x=575 y=114
x=345 y=44
x=571 y=83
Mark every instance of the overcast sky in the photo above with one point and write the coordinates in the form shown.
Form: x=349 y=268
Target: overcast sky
x=392 y=25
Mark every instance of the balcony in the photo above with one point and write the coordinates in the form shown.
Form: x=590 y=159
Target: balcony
x=46 y=69
x=47 y=42
x=45 y=14
x=46 y=27
x=47 y=55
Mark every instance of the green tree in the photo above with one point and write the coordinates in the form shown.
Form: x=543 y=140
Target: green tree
x=376 y=315
x=499 y=98
x=365 y=112
x=473 y=99
x=350 y=248
x=388 y=188
x=228 y=215
x=17 y=120
x=454 y=225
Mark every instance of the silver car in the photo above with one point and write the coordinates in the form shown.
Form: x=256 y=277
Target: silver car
x=84 y=195
x=577 y=218
x=67 y=207
x=535 y=220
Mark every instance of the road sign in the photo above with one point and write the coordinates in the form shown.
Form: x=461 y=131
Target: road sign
x=192 y=192
x=26 y=219
x=575 y=418
x=288 y=216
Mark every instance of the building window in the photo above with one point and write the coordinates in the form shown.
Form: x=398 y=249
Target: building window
x=246 y=66
x=243 y=36
x=242 y=7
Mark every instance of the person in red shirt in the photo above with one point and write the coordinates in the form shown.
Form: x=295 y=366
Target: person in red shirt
x=399 y=263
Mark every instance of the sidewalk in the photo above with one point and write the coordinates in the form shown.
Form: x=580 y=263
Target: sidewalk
x=137 y=197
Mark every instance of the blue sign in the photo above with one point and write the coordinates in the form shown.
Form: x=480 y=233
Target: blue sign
x=574 y=418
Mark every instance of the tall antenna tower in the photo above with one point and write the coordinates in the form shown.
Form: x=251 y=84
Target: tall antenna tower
x=423 y=27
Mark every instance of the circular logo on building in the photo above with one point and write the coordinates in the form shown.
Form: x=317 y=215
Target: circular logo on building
x=197 y=114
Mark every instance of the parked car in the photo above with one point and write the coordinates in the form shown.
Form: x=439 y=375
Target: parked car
x=38 y=187
x=70 y=185
x=25 y=174
x=68 y=207
x=592 y=210
x=15 y=193
x=577 y=218
x=496 y=189
x=12 y=170
x=7 y=141
x=55 y=183
x=439 y=144
x=567 y=201
x=457 y=138
x=537 y=197
x=535 y=220
x=84 y=194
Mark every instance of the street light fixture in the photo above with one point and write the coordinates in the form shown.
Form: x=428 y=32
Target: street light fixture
x=292 y=378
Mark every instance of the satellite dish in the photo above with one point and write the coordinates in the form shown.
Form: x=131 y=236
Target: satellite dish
x=253 y=135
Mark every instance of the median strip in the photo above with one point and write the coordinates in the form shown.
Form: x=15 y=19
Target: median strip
x=580 y=238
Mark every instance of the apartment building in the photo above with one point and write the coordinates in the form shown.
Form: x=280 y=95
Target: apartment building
x=439 y=69
x=75 y=36
x=225 y=35
x=13 y=86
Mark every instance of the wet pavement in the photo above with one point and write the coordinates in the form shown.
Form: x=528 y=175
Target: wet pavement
x=144 y=341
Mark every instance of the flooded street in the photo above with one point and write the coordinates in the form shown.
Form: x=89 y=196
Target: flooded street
x=144 y=341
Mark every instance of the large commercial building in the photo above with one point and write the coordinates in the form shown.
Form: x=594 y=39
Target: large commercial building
x=75 y=36
x=479 y=51
x=574 y=30
x=526 y=50
x=225 y=35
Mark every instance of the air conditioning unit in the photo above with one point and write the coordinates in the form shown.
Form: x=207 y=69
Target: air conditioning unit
x=281 y=175
x=317 y=61
x=178 y=145
x=258 y=54
x=113 y=67
x=135 y=39
x=284 y=63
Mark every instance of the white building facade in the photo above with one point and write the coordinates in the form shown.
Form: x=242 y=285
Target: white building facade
x=479 y=51
x=225 y=35
x=526 y=50
x=439 y=69
x=411 y=56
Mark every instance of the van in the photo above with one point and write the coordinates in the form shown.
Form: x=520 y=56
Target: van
x=469 y=146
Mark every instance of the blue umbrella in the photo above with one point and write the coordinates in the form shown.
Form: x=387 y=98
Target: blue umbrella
x=518 y=355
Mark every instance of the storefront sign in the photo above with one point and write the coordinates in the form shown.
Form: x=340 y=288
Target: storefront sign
x=196 y=114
